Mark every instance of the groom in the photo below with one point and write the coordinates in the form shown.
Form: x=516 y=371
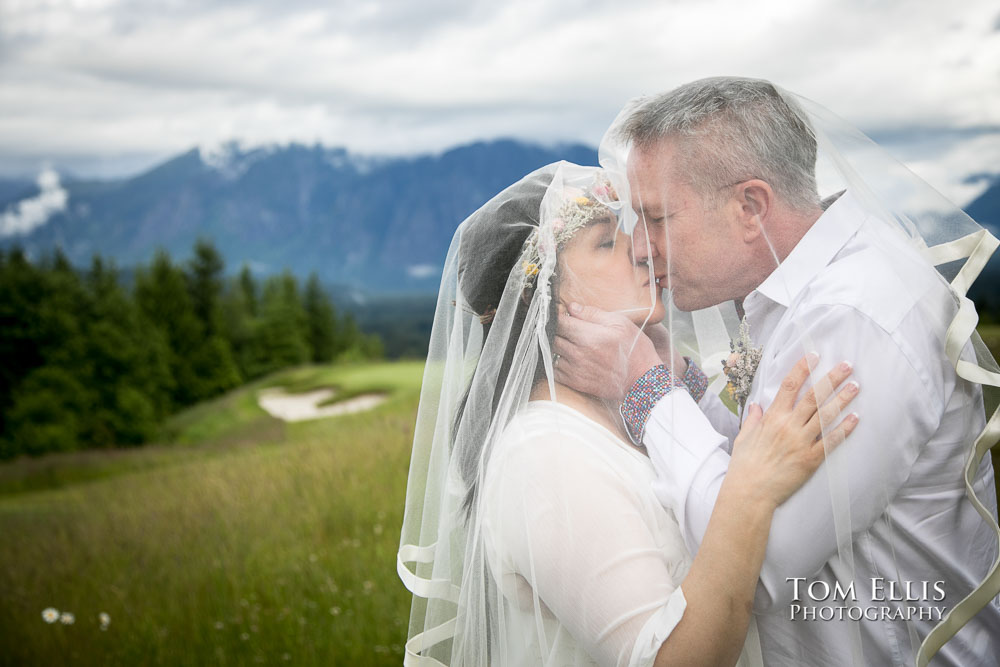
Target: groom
x=738 y=164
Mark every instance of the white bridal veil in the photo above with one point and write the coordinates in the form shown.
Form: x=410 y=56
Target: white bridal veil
x=531 y=535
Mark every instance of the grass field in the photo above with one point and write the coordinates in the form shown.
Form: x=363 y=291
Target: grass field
x=238 y=539
x=244 y=541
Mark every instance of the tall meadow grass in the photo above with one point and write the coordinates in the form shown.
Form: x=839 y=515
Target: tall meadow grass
x=270 y=551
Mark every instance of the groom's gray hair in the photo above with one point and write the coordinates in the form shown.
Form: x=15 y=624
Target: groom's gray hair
x=727 y=130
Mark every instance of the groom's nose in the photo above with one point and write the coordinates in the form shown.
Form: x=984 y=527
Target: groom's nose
x=642 y=249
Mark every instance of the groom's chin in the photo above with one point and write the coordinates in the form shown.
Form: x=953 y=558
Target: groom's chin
x=687 y=302
x=680 y=300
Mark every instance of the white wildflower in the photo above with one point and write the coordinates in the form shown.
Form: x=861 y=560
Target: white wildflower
x=105 y=620
x=66 y=618
x=50 y=615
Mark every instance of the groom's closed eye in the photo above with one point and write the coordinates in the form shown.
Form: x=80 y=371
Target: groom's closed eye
x=651 y=220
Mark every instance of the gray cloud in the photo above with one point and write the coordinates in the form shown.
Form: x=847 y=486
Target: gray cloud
x=110 y=79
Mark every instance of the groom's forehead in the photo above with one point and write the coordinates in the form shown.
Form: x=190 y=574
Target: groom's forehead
x=653 y=166
x=651 y=180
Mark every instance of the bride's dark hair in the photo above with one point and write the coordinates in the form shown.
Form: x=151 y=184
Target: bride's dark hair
x=491 y=244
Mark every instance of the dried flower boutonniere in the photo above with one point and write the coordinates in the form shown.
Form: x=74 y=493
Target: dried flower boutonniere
x=741 y=366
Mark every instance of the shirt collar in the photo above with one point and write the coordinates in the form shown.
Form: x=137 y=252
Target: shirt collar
x=820 y=244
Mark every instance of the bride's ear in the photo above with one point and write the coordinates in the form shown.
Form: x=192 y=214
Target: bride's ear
x=755 y=200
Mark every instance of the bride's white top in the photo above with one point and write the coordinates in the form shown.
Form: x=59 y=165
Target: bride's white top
x=589 y=562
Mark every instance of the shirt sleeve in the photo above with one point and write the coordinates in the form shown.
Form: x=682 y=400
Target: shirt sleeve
x=683 y=447
x=900 y=405
x=654 y=384
x=576 y=534
x=723 y=420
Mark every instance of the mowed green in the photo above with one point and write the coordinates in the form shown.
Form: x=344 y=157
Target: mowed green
x=245 y=541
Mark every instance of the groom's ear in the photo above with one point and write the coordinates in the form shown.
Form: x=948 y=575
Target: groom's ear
x=755 y=200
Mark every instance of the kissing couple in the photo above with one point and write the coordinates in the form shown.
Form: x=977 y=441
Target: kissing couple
x=716 y=402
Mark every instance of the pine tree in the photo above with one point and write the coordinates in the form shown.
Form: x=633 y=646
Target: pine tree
x=322 y=323
x=241 y=325
x=21 y=290
x=204 y=273
x=213 y=360
x=45 y=399
x=130 y=361
x=248 y=289
x=283 y=330
x=163 y=299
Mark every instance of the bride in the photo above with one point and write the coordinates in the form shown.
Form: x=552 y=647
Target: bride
x=532 y=534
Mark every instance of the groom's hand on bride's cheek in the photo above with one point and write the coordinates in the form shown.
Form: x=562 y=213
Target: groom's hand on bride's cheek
x=665 y=348
x=600 y=353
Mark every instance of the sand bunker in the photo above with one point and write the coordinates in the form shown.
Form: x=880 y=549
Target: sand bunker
x=300 y=407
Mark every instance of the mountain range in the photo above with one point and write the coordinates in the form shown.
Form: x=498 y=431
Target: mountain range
x=374 y=224
x=377 y=224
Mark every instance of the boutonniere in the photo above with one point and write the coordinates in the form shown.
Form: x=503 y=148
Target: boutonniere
x=741 y=366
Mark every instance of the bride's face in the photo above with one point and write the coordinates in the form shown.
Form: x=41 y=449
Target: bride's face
x=596 y=269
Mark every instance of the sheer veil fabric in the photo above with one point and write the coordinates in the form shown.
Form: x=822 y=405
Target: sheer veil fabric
x=943 y=236
x=534 y=530
x=853 y=257
x=532 y=535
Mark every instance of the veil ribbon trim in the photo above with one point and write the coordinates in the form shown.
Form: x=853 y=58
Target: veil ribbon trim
x=425 y=588
x=978 y=247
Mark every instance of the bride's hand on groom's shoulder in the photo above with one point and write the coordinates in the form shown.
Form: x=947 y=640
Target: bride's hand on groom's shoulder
x=601 y=353
x=778 y=450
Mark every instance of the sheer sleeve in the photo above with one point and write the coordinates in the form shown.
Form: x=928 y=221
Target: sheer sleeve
x=574 y=535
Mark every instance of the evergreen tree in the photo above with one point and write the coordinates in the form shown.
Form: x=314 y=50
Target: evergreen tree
x=213 y=360
x=21 y=290
x=84 y=363
x=205 y=271
x=248 y=289
x=283 y=330
x=46 y=413
x=163 y=299
x=43 y=313
x=321 y=322
x=241 y=324
x=129 y=360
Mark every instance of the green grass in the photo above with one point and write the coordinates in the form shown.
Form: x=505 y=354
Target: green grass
x=237 y=539
x=240 y=543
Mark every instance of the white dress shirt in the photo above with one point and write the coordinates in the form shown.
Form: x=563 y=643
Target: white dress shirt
x=889 y=503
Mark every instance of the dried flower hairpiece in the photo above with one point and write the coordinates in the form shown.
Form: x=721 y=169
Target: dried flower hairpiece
x=574 y=214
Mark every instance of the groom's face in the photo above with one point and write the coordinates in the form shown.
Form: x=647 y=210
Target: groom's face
x=690 y=243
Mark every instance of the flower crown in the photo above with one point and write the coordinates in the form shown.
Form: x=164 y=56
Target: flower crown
x=574 y=214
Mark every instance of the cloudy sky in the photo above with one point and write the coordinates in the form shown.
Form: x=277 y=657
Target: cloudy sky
x=106 y=87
